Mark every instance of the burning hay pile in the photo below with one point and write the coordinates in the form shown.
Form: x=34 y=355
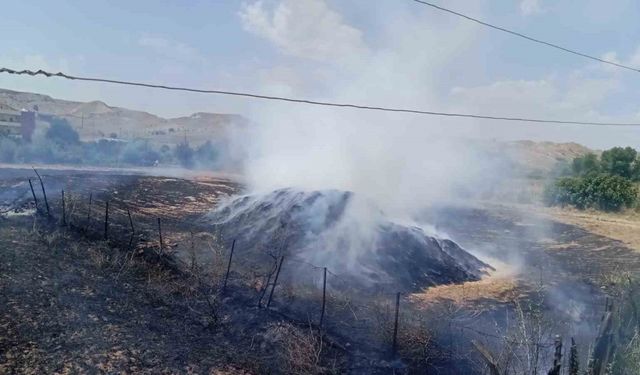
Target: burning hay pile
x=345 y=233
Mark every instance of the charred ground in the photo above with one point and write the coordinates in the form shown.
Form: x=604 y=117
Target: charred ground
x=71 y=297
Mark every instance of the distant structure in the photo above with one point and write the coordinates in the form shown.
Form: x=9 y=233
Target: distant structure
x=9 y=121
x=27 y=124
x=17 y=123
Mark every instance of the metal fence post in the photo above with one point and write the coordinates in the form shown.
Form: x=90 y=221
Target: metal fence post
x=226 y=276
x=324 y=294
x=275 y=281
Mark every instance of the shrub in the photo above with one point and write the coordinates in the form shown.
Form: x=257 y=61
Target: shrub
x=605 y=192
x=299 y=349
x=139 y=152
x=563 y=191
x=586 y=164
x=44 y=151
x=185 y=155
x=206 y=155
x=619 y=161
x=8 y=150
x=61 y=132
x=102 y=152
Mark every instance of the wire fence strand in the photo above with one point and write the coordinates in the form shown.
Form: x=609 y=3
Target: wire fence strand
x=316 y=102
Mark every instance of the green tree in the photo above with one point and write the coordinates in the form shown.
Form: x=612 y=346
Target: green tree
x=185 y=155
x=586 y=164
x=604 y=192
x=610 y=193
x=564 y=191
x=139 y=152
x=619 y=161
x=61 y=132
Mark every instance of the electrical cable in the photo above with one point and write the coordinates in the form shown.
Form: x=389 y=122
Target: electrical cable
x=315 y=102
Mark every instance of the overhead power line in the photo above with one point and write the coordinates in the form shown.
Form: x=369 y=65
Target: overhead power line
x=311 y=102
x=531 y=39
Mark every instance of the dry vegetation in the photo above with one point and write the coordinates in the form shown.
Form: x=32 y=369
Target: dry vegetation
x=112 y=310
x=491 y=289
x=76 y=306
x=623 y=226
x=300 y=349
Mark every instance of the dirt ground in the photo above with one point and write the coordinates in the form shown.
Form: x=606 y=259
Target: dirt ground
x=71 y=306
x=66 y=313
x=68 y=308
x=624 y=226
x=573 y=266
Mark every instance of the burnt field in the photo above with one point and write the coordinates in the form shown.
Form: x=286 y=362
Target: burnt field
x=149 y=284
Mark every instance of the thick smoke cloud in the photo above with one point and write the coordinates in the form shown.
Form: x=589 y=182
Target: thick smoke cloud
x=400 y=161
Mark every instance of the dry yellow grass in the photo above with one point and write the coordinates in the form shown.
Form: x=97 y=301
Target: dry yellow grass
x=501 y=286
x=623 y=226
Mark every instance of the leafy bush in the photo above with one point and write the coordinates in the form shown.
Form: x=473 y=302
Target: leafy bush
x=619 y=161
x=60 y=143
x=586 y=164
x=206 y=155
x=206 y=151
x=605 y=192
x=61 y=132
x=8 y=150
x=185 y=155
x=139 y=152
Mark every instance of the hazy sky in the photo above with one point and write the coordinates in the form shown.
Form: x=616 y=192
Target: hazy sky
x=382 y=52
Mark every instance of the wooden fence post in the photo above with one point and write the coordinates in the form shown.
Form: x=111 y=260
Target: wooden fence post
x=324 y=294
x=226 y=276
x=394 y=346
x=275 y=281
x=44 y=192
x=106 y=221
x=34 y=194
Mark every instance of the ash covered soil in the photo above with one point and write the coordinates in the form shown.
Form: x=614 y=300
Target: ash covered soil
x=536 y=246
x=67 y=309
x=575 y=268
x=77 y=304
x=74 y=303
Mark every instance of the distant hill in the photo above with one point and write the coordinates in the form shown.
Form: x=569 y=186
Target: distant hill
x=531 y=158
x=97 y=119
x=544 y=155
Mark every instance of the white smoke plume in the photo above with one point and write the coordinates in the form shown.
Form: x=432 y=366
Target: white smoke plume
x=396 y=165
x=402 y=162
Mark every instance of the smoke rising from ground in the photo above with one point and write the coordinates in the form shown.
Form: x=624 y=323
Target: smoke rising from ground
x=398 y=164
x=402 y=162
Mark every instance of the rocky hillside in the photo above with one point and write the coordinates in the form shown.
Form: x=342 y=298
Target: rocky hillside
x=96 y=119
x=529 y=158
x=543 y=155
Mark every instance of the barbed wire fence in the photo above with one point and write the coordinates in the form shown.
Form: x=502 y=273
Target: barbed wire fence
x=386 y=321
